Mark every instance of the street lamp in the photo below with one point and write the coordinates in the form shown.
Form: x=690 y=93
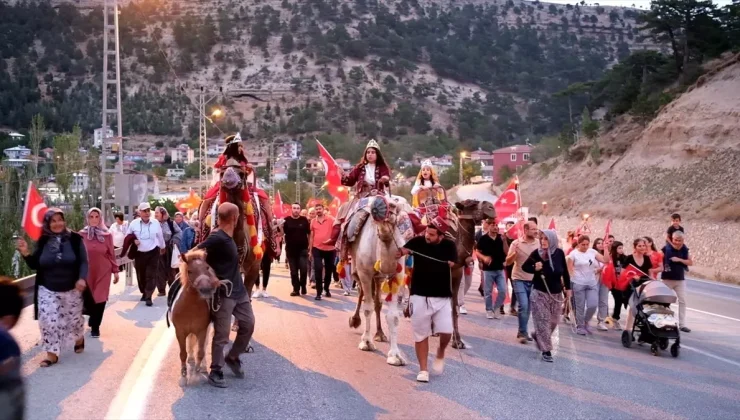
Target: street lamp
x=216 y=113
x=462 y=156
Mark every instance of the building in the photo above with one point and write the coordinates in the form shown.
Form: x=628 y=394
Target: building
x=512 y=157
x=486 y=161
x=183 y=153
x=98 y=134
x=134 y=157
x=17 y=152
x=314 y=165
x=155 y=156
x=344 y=164
x=175 y=174
x=290 y=150
x=80 y=183
x=48 y=153
x=51 y=191
x=441 y=164
x=280 y=174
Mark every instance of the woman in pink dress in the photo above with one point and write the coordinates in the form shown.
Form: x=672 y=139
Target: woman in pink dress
x=102 y=263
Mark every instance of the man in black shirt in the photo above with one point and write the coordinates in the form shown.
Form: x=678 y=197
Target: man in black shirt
x=296 y=230
x=223 y=258
x=430 y=305
x=491 y=251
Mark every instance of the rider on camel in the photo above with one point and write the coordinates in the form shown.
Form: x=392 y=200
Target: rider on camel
x=369 y=177
x=235 y=150
x=426 y=180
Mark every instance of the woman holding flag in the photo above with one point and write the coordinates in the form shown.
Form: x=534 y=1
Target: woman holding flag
x=636 y=265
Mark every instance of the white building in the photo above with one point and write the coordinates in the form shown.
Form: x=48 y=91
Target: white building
x=17 y=152
x=80 y=183
x=175 y=174
x=290 y=150
x=183 y=153
x=280 y=174
x=98 y=136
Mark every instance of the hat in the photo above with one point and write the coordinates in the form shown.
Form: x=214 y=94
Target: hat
x=427 y=163
x=372 y=143
x=234 y=138
x=144 y=206
x=440 y=224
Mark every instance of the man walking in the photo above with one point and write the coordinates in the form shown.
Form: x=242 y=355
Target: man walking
x=322 y=255
x=223 y=258
x=676 y=260
x=296 y=230
x=519 y=253
x=150 y=244
x=430 y=304
x=508 y=268
x=491 y=251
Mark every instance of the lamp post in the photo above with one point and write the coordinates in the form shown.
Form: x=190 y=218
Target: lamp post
x=462 y=157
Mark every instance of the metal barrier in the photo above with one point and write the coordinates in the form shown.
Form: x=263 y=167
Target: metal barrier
x=27 y=283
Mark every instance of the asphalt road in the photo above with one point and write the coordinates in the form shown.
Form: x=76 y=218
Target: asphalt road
x=306 y=364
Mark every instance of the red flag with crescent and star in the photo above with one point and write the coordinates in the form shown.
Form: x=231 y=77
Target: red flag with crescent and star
x=279 y=209
x=508 y=202
x=552 y=224
x=33 y=213
x=333 y=175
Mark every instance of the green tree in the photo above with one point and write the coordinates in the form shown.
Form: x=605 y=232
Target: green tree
x=67 y=160
x=589 y=127
x=286 y=43
x=451 y=176
x=36 y=136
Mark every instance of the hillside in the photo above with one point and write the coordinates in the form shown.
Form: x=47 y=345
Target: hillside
x=687 y=159
x=479 y=71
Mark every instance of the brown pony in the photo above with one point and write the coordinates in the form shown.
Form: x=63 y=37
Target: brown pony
x=191 y=313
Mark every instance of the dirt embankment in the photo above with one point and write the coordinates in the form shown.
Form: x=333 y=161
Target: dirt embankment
x=687 y=160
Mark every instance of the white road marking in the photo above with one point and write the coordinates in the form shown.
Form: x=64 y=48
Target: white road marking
x=136 y=386
x=715 y=283
x=713 y=314
x=713 y=356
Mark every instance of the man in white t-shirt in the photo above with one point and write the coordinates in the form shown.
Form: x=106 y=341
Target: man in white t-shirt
x=150 y=244
x=583 y=265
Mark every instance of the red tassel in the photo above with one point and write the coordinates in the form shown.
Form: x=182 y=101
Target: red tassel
x=398 y=267
x=389 y=297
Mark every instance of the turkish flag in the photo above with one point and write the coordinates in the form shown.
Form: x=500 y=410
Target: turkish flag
x=515 y=232
x=628 y=274
x=333 y=176
x=279 y=209
x=33 y=213
x=609 y=276
x=508 y=202
x=552 y=224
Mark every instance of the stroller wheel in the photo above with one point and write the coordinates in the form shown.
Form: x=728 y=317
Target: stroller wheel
x=626 y=339
x=675 y=350
x=663 y=343
x=654 y=349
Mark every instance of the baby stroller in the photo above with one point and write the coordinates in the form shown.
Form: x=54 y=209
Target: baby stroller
x=655 y=322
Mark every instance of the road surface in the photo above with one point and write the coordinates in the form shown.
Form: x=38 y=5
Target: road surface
x=306 y=364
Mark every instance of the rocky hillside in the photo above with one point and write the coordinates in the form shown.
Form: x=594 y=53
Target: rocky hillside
x=480 y=70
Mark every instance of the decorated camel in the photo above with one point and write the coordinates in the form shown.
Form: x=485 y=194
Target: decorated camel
x=374 y=245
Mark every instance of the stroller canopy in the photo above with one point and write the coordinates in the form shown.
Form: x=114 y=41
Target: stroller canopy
x=656 y=292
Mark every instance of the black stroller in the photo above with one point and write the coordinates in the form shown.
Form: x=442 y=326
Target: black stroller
x=655 y=323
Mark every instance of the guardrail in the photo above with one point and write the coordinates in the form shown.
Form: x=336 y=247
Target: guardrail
x=27 y=283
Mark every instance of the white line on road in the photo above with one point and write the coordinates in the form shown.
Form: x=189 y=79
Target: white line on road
x=713 y=356
x=715 y=283
x=713 y=314
x=132 y=396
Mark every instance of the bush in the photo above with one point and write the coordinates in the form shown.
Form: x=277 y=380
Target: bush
x=547 y=148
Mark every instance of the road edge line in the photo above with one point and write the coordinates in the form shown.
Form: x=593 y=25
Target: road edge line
x=713 y=314
x=713 y=356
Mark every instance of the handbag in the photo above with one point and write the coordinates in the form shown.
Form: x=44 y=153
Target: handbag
x=175 y=261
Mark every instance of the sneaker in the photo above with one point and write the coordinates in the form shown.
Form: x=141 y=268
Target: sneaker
x=148 y=302
x=318 y=297
x=438 y=366
x=489 y=314
x=304 y=291
x=463 y=310
x=496 y=315
x=581 y=331
x=235 y=365
x=588 y=329
x=346 y=293
x=327 y=294
x=618 y=325
x=523 y=338
x=294 y=293
x=256 y=294
x=685 y=329
x=95 y=333
x=216 y=378
x=501 y=311
x=423 y=376
x=547 y=356
x=264 y=294
x=601 y=327
x=513 y=312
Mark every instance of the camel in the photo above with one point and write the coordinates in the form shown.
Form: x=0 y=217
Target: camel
x=379 y=240
x=470 y=212
x=191 y=312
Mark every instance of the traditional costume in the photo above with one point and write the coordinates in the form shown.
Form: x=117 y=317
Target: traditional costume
x=423 y=192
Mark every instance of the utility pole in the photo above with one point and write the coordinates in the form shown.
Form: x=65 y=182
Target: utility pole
x=111 y=145
x=202 y=141
x=298 y=179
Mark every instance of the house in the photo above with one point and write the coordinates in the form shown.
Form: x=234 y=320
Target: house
x=175 y=174
x=50 y=190
x=290 y=149
x=314 y=165
x=80 y=183
x=512 y=157
x=98 y=136
x=183 y=153
x=155 y=156
x=128 y=165
x=280 y=174
x=441 y=164
x=17 y=152
x=486 y=161
x=48 y=153
x=214 y=149
x=344 y=164
x=134 y=157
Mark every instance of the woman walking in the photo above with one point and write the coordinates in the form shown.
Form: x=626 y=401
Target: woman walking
x=603 y=311
x=616 y=254
x=655 y=255
x=102 y=257
x=583 y=264
x=60 y=261
x=641 y=261
x=549 y=267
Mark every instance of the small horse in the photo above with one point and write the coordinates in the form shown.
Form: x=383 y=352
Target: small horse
x=191 y=313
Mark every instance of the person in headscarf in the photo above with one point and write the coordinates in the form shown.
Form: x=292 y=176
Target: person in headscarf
x=188 y=233
x=99 y=245
x=426 y=180
x=60 y=261
x=550 y=277
x=172 y=235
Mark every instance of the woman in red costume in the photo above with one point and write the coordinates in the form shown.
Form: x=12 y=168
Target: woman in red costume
x=369 y=177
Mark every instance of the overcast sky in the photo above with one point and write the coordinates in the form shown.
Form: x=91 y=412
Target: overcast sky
x=645 y=4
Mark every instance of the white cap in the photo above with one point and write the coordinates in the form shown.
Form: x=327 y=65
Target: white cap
x=144 y=206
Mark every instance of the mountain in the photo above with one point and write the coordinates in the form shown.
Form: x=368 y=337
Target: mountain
x=476 y=73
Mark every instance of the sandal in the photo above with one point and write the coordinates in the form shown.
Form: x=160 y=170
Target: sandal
x=48 y=362
x=79 y=348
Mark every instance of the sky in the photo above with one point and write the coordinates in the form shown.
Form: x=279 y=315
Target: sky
x=645 y=4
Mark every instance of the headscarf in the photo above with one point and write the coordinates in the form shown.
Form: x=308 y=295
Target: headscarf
x=98 y=232
x=552 y=240
x=55 y=239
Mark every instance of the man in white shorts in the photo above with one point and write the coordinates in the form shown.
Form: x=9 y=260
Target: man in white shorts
x=430 y=305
